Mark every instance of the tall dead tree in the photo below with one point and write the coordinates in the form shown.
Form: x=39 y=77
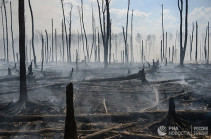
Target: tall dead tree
x=86 y=41
x=110 y=44
x=52 y=39
x=5 y=13
x=63 y=40
x=42 y=52
x=166 y=46
x=163 y=32
x=12 y=32
x=70 y=34
x=161 y=51
x=142 y=52
x=47 y=45
x=23 y=86
x=183 y=49
x=65 y=28
x=98 y=46
x=105 y=36
x=131 y=38
x=125 y=34
x=56 y=44
x=208 y=57
x=82 y=36
x=196 y=53
x=191 y=43
x=5 y=57
x=32 y=19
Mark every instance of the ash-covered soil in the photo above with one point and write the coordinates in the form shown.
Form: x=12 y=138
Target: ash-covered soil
x=134 y=109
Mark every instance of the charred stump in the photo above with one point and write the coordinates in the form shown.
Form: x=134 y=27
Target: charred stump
x=171 y=112
x=9 y=72
x=70 y=123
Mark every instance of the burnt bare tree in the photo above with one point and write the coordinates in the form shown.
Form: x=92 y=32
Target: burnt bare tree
x=125 y=34
x=191 y=43
x=208 y=56
x=52 y=39
x=12 y=32
x=23 y=86
x=162 y=32
x=5 y=14
x=105 y=36
x=32 y=19
x=196 y=53
x=47 y=45
x=5 y=57
x=70 y=33
x=65 y=28
x=183 y=49
x=42 y=52
x=84 y=30
x=131 y=38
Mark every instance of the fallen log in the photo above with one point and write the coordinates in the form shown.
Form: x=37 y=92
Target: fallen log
x=140 y=75
x=104 y=131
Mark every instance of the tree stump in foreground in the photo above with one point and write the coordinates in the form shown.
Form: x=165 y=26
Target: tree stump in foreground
x=171 y=112
x=70 y=123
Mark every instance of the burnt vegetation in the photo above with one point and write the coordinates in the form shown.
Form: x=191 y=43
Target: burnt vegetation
x=66 y=82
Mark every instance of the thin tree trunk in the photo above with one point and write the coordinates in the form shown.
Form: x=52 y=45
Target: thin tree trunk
x=166 y=46
x=82 y=19
x=12 y=33
x=98 y=47
x=131 y=41
x=5 y=57
x=208 y=57
x=42 y=52
x=5 y=13
x=125 y=34
x=180 y=7
x=56 y=44
x=65 y=28
x=47 y=45
x=161 y=55
x=110 y=45
x=70 y=34
x=196 y=53
x=23 y=85
x=52 y=39
x=163 y=32
x=63 y=39
x=142 y=55
x=32 y=18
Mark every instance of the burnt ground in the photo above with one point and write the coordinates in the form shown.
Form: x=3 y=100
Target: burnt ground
x=134 y=109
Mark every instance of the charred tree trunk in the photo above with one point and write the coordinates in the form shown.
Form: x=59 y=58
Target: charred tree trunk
x=191 y=43
x=161 y=53
x=166 y=46
x=56 y=44
x=125 y=34
x=208 y=57
x=183 y=49
x=32 y=18
x=131 y=41
x=163 y=32
x=142 y=54
x=173 y=54
x=63 y=40
x=47 y=45
x=65 y=28
x=23 y=88
x=52 y=39
x=98 y=46
x=82 y=19
x=12 y=32
x=5 y=13
x=110 y=45
x=70 y=123
x=70 y=34
x=42 y=52
x=196 y=53
x=5 y=57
